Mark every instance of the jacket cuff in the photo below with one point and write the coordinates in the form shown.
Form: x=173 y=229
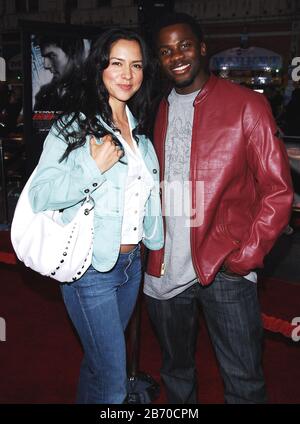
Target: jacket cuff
x=96 y=177
x=241 y=263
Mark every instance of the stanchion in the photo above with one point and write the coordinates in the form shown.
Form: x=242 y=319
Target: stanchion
x=141 y=387
x=3 y=184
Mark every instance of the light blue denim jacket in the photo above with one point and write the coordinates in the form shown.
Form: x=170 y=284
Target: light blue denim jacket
x=63 y=185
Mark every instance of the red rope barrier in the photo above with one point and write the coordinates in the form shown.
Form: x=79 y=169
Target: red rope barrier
x=277 y=325
x=8 y=258
x=7 y=254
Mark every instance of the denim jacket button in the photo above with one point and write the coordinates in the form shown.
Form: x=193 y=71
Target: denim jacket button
x=154 y=171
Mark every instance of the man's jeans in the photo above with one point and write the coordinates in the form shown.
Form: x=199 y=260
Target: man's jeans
x=100 y=305
x=232 y=314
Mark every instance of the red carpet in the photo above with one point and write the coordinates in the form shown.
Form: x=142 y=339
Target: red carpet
x=7 y=254
x=41 y=355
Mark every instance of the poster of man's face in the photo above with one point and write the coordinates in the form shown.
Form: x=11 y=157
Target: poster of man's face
x=55 y=61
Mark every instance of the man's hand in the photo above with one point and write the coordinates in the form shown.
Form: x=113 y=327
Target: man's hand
x=231 y=274
x=226 y=271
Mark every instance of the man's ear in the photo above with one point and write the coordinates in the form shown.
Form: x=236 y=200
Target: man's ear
x=203 y=50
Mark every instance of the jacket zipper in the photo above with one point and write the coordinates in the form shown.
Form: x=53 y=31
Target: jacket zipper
x=191 y=228
x=162 y=269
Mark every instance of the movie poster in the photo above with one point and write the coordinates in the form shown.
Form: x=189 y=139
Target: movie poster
x=53 y=57
x=55 y=62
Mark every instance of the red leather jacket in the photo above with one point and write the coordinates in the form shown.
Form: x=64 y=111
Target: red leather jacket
x=247 y=189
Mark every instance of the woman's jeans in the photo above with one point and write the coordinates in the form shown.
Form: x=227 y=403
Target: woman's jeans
x=100 y=305
x=231 y=310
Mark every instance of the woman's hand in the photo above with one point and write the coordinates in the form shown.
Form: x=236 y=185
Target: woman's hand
x=106 y=154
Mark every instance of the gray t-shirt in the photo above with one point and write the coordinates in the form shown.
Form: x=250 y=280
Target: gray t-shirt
x=179 y=271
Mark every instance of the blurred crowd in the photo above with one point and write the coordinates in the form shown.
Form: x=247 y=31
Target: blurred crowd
x=11 y=109
x=285 y=106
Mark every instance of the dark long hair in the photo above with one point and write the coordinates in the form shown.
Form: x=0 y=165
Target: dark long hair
x=91 y=96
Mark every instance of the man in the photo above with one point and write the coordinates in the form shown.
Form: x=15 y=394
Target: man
x=64 y=58
x=221 y=138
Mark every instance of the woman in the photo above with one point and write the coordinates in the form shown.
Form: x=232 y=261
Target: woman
x=100 y=149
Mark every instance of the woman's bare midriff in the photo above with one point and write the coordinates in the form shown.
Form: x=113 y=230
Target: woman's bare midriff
x=125 y=248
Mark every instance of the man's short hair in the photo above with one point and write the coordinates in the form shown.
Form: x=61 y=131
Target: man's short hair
x=72 y=46
x=178 y=18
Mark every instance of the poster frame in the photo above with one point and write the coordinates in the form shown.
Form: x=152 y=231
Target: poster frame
x=33 y=144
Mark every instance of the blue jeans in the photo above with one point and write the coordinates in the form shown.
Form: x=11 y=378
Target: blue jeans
x=100 y=305
x=232 y=314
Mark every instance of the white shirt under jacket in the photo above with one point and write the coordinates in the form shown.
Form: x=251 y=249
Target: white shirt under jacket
x=138 y=185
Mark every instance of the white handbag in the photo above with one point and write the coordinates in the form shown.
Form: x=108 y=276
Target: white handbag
x=45 y=244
